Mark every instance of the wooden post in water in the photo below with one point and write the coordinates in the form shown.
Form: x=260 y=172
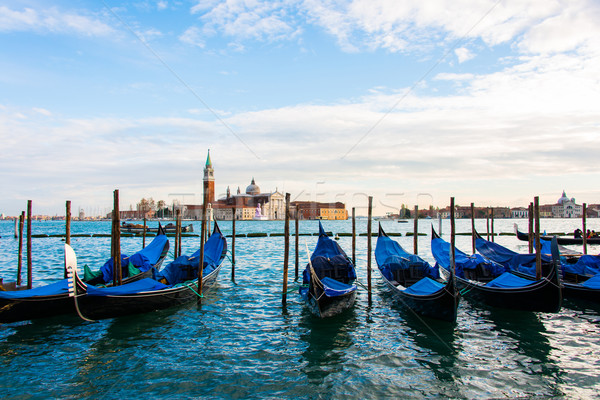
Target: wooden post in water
x=29 y=266
x=67 y=228
x=440 y=223
x=233 y=244
x=538 y=250
x=16 y=227
x=530 y=232
x=584 y=228
x=144 y=234
x=297 y=244
x=492 y=223
x=117 y=274
x=472 y=225
x=202 y=241
x=20 y=259
x=369 y=248
x=176 y=249
x=286 y=253
x=354 y=236
x=416 y=231
x=452 y=236
x=487 y=224
x=179 y=217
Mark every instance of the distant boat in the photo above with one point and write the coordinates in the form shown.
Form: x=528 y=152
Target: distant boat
x=561 y=239
x=328 y=278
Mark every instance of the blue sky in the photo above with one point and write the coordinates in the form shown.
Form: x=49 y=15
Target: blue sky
x=412 y=102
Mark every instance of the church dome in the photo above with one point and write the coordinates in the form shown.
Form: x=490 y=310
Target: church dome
x=564 y=198
x=253 y=188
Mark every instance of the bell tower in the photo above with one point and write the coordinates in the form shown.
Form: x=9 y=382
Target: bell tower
x=209 y=180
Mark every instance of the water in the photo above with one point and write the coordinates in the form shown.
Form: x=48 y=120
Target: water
x=241 y=342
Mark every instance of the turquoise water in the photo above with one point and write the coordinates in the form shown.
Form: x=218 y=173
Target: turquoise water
x=241 y=342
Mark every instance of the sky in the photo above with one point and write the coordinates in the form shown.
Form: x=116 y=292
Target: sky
x=411 y=102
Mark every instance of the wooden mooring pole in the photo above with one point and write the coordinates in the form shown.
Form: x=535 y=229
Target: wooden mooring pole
x=286 y=253
x=530 y=232
x=452 y=236
x=67 y=228
x=297 y=245
x=369 y=249
x=416 y=231
x=538 y=250
x=144 y=234
x=354 y=236
x=583 y=217
x=233 y=244
x=20 y=256
x=472 y=225
x=29 y=262
x=492 y=222
x=117 y=273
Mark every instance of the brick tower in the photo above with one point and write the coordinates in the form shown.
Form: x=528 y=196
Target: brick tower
x=209 y=180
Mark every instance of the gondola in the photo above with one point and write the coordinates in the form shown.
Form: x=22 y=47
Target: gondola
x=414 y=282
x=176 y=284
x=488 y=282
x=580 y=280
x=53 y=299
x=560 y=239
x=139 y=228
x=328 y=287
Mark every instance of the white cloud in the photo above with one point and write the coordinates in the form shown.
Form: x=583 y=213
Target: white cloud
x=463 y=54
x=193 y=36
x=51 y=20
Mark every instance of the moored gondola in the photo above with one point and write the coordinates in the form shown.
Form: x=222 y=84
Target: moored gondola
x=176 y=284
x=488 y=282
x=414 y=283
x=579 y=280
x=53 y=299
x=328 y=287
x=560 y=239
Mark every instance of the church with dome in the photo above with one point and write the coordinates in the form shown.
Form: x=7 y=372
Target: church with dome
x=252 y=204
x=566 y=208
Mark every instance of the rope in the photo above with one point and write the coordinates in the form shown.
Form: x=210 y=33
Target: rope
x=361 y=284
x=192 y=289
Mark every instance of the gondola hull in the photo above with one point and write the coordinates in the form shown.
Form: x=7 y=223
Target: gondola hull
x=576 y=291
x=442 y=305
x=103 y=307
x=324 y=306
x=543 y=296
x=35 y=307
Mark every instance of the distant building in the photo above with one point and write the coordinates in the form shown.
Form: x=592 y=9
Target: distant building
x=566 y=208
x=519 y=212
x=316 y=210
x=272 y=204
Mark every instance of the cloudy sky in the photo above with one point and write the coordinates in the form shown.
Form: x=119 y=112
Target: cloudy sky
x=412 y=102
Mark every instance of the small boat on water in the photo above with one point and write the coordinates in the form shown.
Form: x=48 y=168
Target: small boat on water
x=415 y=283
x=488 y=282
x=328 y=278
x=139 y=228
x=176 y=284
x=580 y=279
x=53 y=299
x=560 y=239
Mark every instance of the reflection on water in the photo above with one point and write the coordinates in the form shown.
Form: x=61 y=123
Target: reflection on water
x=326 y=339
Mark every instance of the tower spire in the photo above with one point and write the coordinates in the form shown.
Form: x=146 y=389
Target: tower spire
x=208 y=162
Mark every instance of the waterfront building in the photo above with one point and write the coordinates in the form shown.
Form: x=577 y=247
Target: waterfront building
x=566 y=208
x=317 y=210
x=519 y=212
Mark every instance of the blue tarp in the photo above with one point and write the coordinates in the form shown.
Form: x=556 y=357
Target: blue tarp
x=178 y=270
x=525 y=263
x=143 y=285
x=508 y=280
x=592 y=283
x=142 y=260
x=511 y=260
x=334 y=288
x=329 y=256
x=424 y=287
x=441 y=252
x=391 y=256
x=59 y=287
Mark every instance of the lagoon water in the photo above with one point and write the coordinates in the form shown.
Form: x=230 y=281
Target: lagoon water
x=241 y=342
